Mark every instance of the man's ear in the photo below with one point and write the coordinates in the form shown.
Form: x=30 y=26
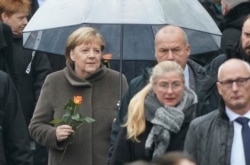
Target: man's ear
x=4 y=17
x=218 y=85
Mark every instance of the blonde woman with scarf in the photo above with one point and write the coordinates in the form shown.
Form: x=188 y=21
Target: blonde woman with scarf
x=158 y=117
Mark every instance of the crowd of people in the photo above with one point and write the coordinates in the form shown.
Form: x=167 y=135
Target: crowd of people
x=176 y=112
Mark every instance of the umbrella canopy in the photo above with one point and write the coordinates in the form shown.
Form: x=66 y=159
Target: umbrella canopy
x=128 y=26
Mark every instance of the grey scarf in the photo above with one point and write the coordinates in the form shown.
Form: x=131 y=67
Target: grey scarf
x=164 y=119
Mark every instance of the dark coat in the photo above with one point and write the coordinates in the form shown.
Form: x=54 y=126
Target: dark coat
x=209 y=138
x=6 y=52
x=29 y=84
x=233 y=52
x=213 y=11
x=232 y=24
x=14 y=140
x=207 y=96
x=127 y=151
x=100 y=92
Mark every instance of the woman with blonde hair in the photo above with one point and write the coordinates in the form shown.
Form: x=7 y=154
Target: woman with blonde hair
x=158 y=116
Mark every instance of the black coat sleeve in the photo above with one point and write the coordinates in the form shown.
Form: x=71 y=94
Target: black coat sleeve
x=41 y=67
x=15 y=133
x=135 y=85
x=122 y=152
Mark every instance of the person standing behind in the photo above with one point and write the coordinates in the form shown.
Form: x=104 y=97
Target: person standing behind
x=99 y=87
x=6 y=52
x=158 y=117
x=171 y=44
x=234 y=12
x=221 y=137
x=240 y=50
x=32 y=67
x=213 y=7
x=14 y=139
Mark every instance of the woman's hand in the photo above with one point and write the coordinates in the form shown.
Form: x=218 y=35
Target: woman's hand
x=63 y=132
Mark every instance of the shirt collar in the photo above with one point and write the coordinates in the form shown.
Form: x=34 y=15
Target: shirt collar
x=232 y=115
x=186 y=75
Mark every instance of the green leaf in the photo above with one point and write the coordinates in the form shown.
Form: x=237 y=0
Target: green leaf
x=76 y=117
x=56 y=121
x=66 y=117
x=89 y=119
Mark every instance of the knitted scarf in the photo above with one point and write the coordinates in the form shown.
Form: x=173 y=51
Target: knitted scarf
x=165 y=119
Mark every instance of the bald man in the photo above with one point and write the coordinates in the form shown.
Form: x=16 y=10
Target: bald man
x=171 y=44
x=218 y=137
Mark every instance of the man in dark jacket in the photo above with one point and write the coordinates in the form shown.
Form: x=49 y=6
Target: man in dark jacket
x=234 y=12
x=6 y=52
x=32 y=66
x=171 y=44
x=218 y=138
x=240 y=50
x=14 y=139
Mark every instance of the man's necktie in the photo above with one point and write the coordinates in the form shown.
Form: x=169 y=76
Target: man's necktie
x=245 y=137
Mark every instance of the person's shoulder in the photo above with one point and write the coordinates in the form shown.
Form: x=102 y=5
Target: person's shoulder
x=56 y=75
x=217 y=61
x=205 y=120
x=142 y=78
x=113 y=72
x=195 y=66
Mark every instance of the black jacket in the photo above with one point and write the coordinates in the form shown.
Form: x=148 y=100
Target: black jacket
x=233 y=52
x=127 y=151
x=232 y=24
x=14 y=140
x=206 y=92
x=6 y=52
x=210 y=137
x=29 y=83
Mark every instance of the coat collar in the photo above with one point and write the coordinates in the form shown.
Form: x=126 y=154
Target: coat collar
x=74 y=80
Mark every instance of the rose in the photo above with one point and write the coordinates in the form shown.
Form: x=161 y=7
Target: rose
x=78 y=100
x=73 y=118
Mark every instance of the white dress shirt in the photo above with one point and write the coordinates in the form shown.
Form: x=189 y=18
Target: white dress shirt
x=40 y=2
x=186 y=76
x=237 y=152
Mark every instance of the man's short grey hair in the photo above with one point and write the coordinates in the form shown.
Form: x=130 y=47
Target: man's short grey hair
x=222 y=65
x=233 y=3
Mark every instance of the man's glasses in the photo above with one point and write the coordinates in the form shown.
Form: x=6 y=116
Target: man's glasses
x=239 y=82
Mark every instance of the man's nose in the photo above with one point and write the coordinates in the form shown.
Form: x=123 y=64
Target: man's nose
x=234 y=86
x=170 y=55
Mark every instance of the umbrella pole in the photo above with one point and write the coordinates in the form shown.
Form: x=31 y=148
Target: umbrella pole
x=121 y=59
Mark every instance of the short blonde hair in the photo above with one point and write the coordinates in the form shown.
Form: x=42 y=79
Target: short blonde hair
x=11 y=7
x=82 y=35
